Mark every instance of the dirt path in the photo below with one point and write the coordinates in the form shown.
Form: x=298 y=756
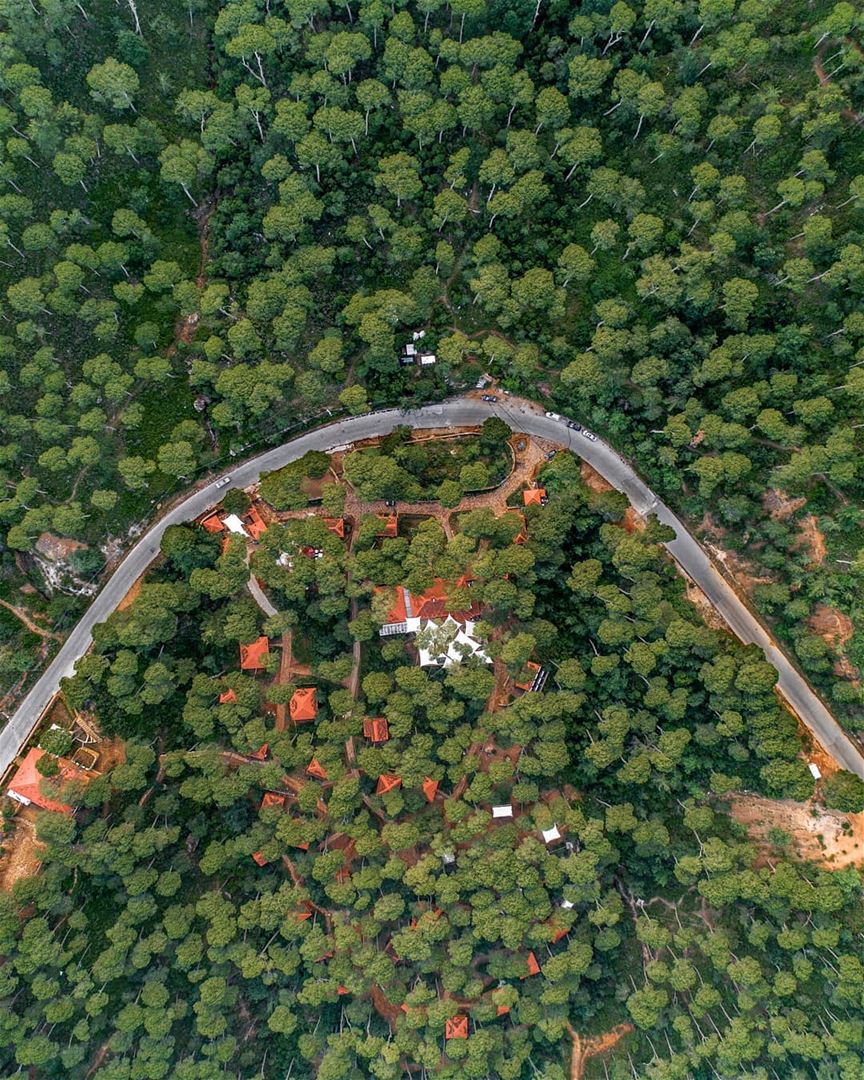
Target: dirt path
x=825 y=80
x=23 y=617
x=285 y=665
x=585 y=1049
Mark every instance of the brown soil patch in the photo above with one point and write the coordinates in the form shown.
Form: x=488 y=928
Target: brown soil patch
x=57 y=548
x=132 y=595
x=112 y=752
x=778 y=504
x=586 y=1048
x=22 y=852
x=737 y=568
x=593 y=480
x=811 y=538
x=826 y=837
x=633 y=520
x=835 y=628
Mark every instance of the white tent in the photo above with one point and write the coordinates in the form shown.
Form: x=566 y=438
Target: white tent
x=505 y=811
x=234 y=525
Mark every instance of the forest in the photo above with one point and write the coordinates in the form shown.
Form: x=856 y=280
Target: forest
x=424 y=873
x=223 y=221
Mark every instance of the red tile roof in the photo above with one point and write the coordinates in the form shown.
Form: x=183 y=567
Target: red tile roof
x=431 y=604
x=252 y=656
x=261 y=753
x=315 y=768
x=533 y=496
x=256 y=525
x=336 y=525
x=26 y=781
x=376 y=729
x=503 y=1010
x=340 y=989
x=259 y=858
x=456 y=1028
x=303 y=705
x=528 y=681
x=430 y=789
x=227 y=697
x=272 y=799
x=212 y=523
x=387 y=783
x=389 y=525
x=533 y=966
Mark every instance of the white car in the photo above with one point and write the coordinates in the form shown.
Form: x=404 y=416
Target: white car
x=589 y=435
x=223 y=481
x=552 y=415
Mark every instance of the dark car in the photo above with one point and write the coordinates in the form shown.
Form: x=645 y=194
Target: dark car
x=390 y=502
x=489 y=397
x=574 y=425
x=551 y=454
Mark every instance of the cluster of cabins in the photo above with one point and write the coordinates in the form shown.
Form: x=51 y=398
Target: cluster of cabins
x=412 y=351
x=250 y=525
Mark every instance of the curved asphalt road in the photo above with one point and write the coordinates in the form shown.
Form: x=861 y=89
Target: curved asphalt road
x=520 y=415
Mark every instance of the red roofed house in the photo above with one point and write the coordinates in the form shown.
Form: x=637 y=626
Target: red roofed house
x=430 y=789
x=456 y=1028
x=389 y=525
x=259 y=858
x=212 y=523
x=376 y=729
x=252 y=656
x=24 y=785
x=261 y=753
x=272 y=799
x=431 y=604
x=316 y=769
x=256 y=525
x=387 y=783
x=228 y=697
x=336 y=525
x=303 y=705
x=533 y=966
x=533 y=496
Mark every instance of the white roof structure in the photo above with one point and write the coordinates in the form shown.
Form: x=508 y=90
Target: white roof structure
x=418 y=335
x=549 y=835
x=814 y=770
x=502 y=811
x=567 y=904
x=460 y=640
x=410 y=349
x=234 y=525
x=428 y=358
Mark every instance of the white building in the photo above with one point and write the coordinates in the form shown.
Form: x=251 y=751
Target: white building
x=234 y=525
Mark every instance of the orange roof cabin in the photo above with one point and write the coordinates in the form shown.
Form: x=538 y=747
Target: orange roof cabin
x=252 y=656
x=253 y=521
x=430 y=789
x=316 y=769
x=303 y=705
x=261 y=753
x=212 y=523
x=336 y=525
x=228 y=697
x=24 y=786
x=534 y=496
x=272 y=799
x=532 y=677
x=259 y=858
x=389 y=525
x=431 y=604
x=533 y=966
x=456 y=1027
x=376 y=729
x=387 y=783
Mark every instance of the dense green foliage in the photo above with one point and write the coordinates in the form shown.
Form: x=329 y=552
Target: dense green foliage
x=151 y=933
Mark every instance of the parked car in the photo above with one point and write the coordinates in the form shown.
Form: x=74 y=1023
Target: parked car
x=390 y=502
x=223 y=481
x=574 y=425
x=489 y=397
x=551 y=454
x=552 y=415
x=589 y=435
